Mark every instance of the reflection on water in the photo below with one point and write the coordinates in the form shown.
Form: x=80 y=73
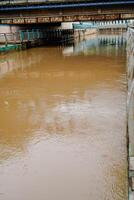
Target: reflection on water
x=62 y=127
x=95 y=45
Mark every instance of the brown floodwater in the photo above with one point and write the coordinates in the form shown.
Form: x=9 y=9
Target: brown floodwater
x=63 y=122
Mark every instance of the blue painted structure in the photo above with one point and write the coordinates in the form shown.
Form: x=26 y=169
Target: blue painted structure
x=62 y=5
x=117 y=24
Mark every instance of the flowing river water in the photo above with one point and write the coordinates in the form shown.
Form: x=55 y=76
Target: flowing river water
x=63 y=122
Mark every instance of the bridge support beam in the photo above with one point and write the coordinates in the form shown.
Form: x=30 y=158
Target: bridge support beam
x=59 y=15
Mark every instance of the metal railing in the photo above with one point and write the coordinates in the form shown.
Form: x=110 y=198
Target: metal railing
x=20 y=36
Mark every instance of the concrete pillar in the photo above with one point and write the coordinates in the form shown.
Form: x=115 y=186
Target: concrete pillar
x=67 y=25
x=9 y=28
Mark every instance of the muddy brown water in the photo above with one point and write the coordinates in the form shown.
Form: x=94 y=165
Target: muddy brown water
x=63 y=122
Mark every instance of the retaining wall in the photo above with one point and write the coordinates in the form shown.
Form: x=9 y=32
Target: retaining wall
x=130 y=109
x=130 y=99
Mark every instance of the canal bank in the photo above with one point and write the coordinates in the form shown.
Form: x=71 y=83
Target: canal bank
x=24 y=39
x=130 y=108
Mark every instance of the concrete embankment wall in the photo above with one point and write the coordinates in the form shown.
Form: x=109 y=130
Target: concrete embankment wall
x=8 y=29
x=130 y=108
x=81 y=33
x=130 y=99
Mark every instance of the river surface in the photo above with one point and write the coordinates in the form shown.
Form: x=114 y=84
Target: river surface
x=63 y=122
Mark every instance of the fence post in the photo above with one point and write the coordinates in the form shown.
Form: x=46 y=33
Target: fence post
x=38 y=35
x=6 y=40
x=21 y=36
x=33 y=34
x=14 y=37
x=28 y=35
